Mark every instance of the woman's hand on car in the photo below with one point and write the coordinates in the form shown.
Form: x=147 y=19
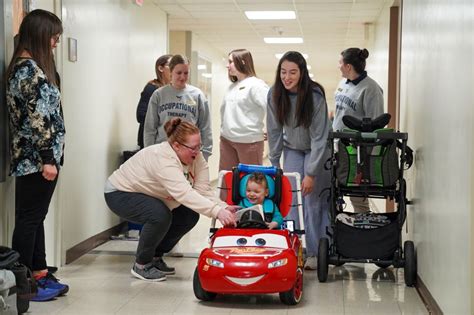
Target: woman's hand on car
x=226 y=217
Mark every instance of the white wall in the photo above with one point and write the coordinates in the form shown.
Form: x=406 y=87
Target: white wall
x=118 y=43
x=377 y=63
x=437 y=111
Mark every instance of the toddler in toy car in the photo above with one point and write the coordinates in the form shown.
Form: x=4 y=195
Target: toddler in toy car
x=256 y=193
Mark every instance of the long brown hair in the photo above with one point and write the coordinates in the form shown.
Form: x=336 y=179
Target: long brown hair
x=304 y=102
x=160 y=62
x=243 y=63
x=36 y=31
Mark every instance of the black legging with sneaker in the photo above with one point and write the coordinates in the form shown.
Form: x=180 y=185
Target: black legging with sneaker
x=33 y=194
x=162 y=227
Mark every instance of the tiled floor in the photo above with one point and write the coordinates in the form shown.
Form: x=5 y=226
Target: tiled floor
x=101 y=283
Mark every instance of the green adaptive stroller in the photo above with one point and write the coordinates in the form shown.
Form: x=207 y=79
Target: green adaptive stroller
x=368 y=161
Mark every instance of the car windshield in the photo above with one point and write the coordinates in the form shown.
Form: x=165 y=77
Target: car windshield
x=257 y=240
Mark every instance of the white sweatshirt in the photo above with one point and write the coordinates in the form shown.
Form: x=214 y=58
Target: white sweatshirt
x=243 y=111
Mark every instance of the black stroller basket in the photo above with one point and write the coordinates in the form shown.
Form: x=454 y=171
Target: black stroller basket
x=369 y=163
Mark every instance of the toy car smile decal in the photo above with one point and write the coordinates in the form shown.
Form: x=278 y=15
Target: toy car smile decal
x=244 y=281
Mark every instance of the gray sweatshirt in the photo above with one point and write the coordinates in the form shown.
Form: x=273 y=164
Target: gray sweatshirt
x=362 y=97
x=189 y=104
x=312 y=139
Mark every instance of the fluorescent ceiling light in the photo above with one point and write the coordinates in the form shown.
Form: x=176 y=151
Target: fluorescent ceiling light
x=270 y=15
x=207 y=75
x=283 y=40
x=278 y=56
x=202 y=67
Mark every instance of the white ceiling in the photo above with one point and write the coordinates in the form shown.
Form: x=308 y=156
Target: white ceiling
x=327 y=27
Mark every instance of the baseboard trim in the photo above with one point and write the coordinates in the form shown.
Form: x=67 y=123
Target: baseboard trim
x=92 y=242
x=427 y=298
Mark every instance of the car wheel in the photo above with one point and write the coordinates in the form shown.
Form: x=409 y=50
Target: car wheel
x=293 y=296
x=323 y=259
x=199 y=292
x=410 y=263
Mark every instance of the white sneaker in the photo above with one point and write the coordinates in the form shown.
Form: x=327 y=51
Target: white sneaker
x=311 y=263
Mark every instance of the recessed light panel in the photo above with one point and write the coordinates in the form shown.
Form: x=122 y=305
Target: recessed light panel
x=283 y=40
x=270 y=15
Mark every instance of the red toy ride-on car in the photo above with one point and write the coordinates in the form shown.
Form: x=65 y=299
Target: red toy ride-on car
x=254 y=259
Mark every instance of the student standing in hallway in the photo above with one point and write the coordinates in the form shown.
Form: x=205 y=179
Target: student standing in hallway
x=298 y=126
x=37 y=141
x=357 y=95
x=165 y=187
x=178 y=99
x=242 y=113
x=163 y=77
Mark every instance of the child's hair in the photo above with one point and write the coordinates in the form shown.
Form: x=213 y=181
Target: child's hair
x=258 y=178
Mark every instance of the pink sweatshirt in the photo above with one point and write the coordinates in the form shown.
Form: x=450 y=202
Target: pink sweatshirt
x=157 y=171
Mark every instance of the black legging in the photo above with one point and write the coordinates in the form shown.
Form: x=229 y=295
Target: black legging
x=33 y=194
x=162 y=228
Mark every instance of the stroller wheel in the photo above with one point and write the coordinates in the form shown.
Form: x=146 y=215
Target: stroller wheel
x=410 y=263
x=323 y=259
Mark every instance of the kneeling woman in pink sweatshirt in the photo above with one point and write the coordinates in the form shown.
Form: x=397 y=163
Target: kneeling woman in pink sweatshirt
x=165 y=187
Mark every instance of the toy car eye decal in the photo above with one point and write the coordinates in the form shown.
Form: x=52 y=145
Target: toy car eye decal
x=242 y=241
x=269 y=240
x=260 y=242
x=257 y=240
x=231 y=241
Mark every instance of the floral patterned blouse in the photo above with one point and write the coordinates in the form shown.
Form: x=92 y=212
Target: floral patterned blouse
x=36 y=119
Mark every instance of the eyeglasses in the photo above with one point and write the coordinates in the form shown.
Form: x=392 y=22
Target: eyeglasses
x=195 y=149
x=56 y=38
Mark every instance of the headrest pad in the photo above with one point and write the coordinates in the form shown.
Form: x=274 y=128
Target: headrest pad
x=270 y=184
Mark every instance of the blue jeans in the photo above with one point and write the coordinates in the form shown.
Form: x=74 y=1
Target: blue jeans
x=315 y=207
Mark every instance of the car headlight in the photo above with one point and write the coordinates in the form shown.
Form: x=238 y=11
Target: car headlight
x=278 y=263
x=214 y=263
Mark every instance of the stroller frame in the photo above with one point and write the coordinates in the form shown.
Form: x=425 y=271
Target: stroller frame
x=329 y=252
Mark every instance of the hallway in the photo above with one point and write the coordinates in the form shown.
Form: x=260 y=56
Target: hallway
x=117 y=44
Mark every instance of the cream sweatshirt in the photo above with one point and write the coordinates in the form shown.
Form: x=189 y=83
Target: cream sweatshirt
x=157 y=171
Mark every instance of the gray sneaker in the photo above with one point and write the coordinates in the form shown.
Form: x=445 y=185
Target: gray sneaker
x=148 y=273
x=163 y=267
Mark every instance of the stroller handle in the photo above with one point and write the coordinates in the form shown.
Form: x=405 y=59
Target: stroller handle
x=357 y=135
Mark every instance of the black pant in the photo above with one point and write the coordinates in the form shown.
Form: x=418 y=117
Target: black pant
x=33 y=194
x=162 y=228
